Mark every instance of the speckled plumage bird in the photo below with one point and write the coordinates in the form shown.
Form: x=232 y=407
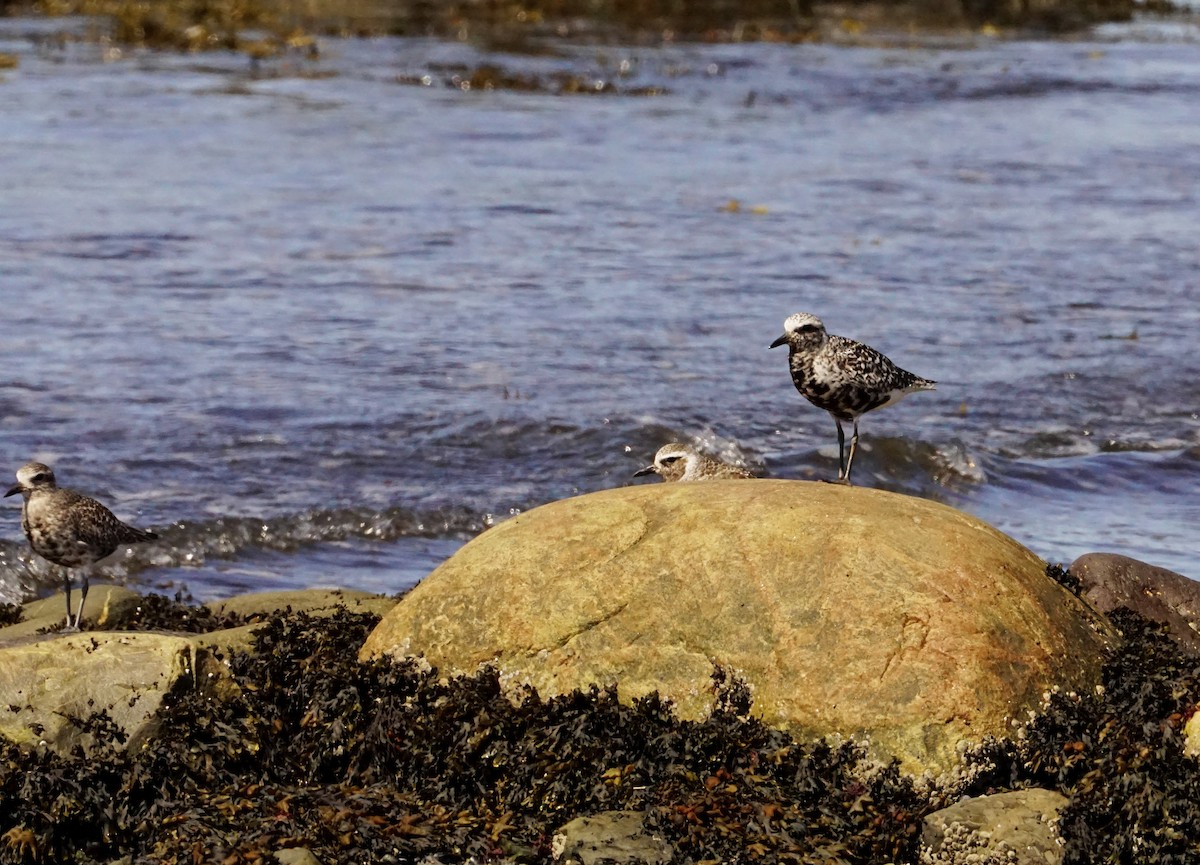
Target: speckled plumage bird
x=844 y=377
x=69 y=529
x=680 y=462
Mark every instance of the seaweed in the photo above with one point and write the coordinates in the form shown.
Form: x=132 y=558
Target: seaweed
x=156 y=612
x=1065 y=578
x=1117 y=753
x=269 y=28
x=388 y=760
x=366 y=761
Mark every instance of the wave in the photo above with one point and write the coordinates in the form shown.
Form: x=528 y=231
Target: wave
x=895 y=463
x=191 y=544
x=188 y=545
x=1162 y=473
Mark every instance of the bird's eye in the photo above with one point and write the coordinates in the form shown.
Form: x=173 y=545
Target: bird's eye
x=666 y=461
x=806 y=328
x=40 y=476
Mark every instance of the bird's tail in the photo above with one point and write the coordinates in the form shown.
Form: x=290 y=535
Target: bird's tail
x=134 y=535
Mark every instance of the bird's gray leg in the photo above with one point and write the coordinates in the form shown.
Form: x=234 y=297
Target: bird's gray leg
x=83 y=590
x=853 y=448
x=841 y=450
x=67 y=586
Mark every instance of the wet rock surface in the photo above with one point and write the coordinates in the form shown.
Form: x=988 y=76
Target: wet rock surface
x=845 y=610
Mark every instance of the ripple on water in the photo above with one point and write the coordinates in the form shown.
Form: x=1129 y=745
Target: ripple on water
x=331 y=344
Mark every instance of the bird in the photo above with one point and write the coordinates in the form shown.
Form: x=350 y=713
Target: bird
x=680 y=462
x=844 y=377
x=68 y=528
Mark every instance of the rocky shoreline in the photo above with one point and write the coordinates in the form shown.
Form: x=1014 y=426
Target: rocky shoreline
x=250 y=731
x=266 y=28
x=298 y=751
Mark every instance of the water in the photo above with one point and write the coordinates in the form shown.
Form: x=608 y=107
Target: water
x=319 y=325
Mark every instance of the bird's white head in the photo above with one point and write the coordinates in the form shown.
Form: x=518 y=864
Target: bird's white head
x=33 y=476
x=801 y=329
x=671 y=462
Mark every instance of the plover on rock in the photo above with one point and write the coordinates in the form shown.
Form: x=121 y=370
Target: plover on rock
x=844 y=377
x=680 y=462
x=68 y=528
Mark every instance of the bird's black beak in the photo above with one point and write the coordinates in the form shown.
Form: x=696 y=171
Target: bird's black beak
x=778 y=342
x=648 y=470
x=12 y=492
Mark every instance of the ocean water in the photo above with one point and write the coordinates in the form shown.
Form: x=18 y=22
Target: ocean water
x=320 y=322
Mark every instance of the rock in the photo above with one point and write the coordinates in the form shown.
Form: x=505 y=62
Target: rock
x=44 y=684
x=1191 y=734
x=1110 y=581
x=1018 y=827
x=296 y=856
x=104 y=602
x=48 y=679
x=312 y=601
x=611 y=836
x=846 y=610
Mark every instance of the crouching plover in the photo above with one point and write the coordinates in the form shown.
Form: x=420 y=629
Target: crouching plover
x=69 y=529
x=844 y=377
x=679 y=462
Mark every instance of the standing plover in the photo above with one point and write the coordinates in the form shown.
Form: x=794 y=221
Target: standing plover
x=69 y=529
x=844 y=377
x=680 y=462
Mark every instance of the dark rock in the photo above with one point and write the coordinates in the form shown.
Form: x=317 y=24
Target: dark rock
x=1051 y=15
x=1111 y=581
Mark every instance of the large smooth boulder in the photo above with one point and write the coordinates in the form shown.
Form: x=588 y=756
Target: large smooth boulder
x=846 y=610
